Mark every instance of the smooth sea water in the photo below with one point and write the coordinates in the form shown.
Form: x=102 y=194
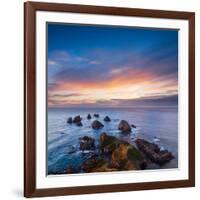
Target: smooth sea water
x=151 y=122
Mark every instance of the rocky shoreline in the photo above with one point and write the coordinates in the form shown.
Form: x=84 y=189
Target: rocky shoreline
x=112 y=153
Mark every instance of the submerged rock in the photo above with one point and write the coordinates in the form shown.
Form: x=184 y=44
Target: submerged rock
x=69 y=120
x=124 y=126
x=133 y=126
x=89 y=116
x=87 y=143
x=96 y=124
x=153 y=152
x=72 y=149
x=107 y=119
x=79 y=124
x=96 y=115
x=77 y=119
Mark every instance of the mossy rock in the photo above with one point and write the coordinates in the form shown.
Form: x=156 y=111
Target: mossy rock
x=108 y=143
x=92 y=163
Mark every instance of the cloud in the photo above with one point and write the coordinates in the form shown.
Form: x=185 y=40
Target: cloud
x=94 y=62
x=64 y=95
x=103 y=69
x=158 y=100
x=51 y=62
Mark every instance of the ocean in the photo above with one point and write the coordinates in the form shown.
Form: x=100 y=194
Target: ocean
x=155 y=124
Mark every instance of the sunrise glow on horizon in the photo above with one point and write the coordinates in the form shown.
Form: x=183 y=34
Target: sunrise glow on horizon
x=106 y=66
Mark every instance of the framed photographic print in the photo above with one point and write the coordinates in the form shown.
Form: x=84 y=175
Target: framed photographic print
x=109 y=99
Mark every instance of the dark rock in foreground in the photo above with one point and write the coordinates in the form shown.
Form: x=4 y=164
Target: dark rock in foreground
x=96 y=115
x=69 y=120
x=107 y=119
x=77 y=119
x=108 y=143
x=133 y=126
x=153 y=152
x=87 y=143
x=89 y=116
x=71 y=170
x=124 y=126
x=96 y=164
x=96 y=124
x=124 y=156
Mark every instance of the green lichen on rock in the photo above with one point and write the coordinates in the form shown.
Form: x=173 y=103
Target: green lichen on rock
x=124 y=156
x=108 y=143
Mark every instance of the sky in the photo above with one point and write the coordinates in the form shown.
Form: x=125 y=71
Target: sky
x=110 y=66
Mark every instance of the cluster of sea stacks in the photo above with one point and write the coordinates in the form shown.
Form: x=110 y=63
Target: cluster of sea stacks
x=115 y=154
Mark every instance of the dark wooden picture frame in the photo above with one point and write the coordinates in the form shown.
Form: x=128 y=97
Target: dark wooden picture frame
x=30 y=9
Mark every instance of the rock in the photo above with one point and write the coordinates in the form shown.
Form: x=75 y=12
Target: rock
x=124 y=126
x=153 y=152
x=108 y=143
x=133 y=126
x=77 y=119
x=87 y=143
x=79 y=124
x=96 y=115
x=70 y=170
x=69 y=120
x=124 y=156
x=96 y=164
x=107 y=119
x=92 y=163
x=89 y=116
x=96 y=124
x=127 y=157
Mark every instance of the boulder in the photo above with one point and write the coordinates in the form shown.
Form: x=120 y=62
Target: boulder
x=92 y=163
x=108 y=143
x=69 y=120
x=127 y=157
x=89 y=116
x=107 y=119
x=77 y=119
x=87 y=143
x=124 y=126
x=96 y=164
x=96 y=124
x=96 y=115
x=153 y=152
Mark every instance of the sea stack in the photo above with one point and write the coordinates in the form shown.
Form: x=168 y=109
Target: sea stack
x=89 y=116
x=96 y=124
x=69 y=120
x=124 y=126
x=96 y=115
x=107 y=119
x=77 y=119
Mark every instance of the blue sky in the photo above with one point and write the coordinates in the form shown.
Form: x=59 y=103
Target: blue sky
x=110 y=66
